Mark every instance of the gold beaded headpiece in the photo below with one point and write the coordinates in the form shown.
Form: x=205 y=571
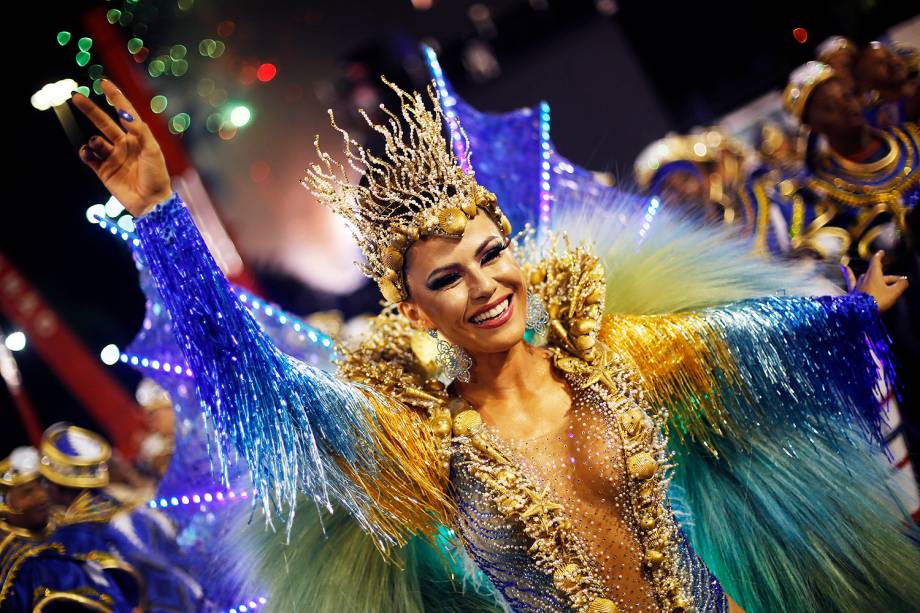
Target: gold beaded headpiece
x=20 y=467
x=417 y=188
x=802 y=83
x=835 y=44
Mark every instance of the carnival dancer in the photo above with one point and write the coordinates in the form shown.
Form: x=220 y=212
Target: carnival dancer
x=552 y=461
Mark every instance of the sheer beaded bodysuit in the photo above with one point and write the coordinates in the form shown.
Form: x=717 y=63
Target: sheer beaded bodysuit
x=583 y=466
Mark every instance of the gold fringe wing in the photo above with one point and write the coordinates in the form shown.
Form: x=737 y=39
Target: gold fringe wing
x=681 y=362
x=413 y=431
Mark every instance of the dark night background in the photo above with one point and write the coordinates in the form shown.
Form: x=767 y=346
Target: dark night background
x=617 y=75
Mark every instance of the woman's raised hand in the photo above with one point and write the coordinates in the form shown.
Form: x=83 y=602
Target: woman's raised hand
x=126 y=158
x=886 y=289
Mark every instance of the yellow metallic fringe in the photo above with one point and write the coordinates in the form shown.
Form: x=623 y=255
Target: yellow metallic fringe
x=682 y=364
x=408 y=492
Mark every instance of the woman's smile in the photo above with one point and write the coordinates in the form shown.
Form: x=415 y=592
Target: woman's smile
x=495 y=314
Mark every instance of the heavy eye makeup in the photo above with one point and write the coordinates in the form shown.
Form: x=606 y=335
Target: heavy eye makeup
x=492 y=252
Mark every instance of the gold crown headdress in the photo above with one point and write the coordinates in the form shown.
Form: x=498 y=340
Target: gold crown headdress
x=802 y=83
x=20 y=467
x=74 y=457
x=835 y=44
x=418 y=188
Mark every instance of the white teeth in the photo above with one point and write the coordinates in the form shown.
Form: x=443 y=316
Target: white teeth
x=495 y=311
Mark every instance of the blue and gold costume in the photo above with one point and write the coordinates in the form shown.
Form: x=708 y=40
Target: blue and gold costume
x=671 y=351
x=843 y=207
x=39 y=573
x=139 y=549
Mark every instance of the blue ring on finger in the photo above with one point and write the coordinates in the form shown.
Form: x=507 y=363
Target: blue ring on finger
x=125 y=115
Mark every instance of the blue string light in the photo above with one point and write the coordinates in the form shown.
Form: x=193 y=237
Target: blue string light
x=546 y=152
x=220 y=496
x=247 y=606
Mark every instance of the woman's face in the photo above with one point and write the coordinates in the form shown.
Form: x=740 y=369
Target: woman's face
x=470 y=289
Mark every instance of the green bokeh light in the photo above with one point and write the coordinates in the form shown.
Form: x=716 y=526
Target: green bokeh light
x=178 y=52
x=207 y=47
x=135 y=45
x=156 y=68
x=158 y=103
x=219 y=48
x=95 y=71
x=185 y=5
x=83 y=90
x=83 y=58
x=85 y=43
x=125 y=18
x=97 y=86
x=63 y=38
x=213 y=123
x=205 y=87
x=179 y=68
x=113 y=15
x=180 y=122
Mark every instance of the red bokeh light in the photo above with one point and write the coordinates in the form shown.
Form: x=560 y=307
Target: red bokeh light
x=259 y=171
x=266 y=72
x=800 y=35
x=226 y=28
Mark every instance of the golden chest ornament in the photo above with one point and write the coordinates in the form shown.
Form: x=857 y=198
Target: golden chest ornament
x=557 y=549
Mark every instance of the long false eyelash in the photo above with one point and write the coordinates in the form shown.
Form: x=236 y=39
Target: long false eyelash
x=490 y=255
x=497 y=250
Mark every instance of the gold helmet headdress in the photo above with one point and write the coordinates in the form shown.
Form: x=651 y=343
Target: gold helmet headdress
x=20 y=467
x=417 y=188
x=802 y=83
x=74 y=457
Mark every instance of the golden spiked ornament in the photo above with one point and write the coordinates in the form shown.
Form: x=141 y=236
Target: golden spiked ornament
x=416 y=188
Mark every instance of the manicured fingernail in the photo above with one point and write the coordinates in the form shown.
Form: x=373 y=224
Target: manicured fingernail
x=125 y=115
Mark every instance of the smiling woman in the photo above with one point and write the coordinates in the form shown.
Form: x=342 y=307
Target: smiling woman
x=549 y=469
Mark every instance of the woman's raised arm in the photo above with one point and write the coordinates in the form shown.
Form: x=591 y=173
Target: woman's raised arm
x=300 y=429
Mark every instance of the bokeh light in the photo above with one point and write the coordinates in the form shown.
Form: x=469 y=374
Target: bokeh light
x=178 y=52
x=180 y=123
x=109 y=354
x=226 y=28
x=15 y=341
x=800 y=35
x=94 y=212
x=158 y=103
x=63 y=38
x=114 y=208
x=266 y=72
x=179 y=68
x=240 y=115
x=156 y=68
x=85 y=43
x=54 y=94
x=260 y=171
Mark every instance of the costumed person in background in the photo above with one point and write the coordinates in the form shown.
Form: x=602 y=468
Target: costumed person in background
x=699 y=172
x=778 y=148
x=840 y=53
x=37 y=573
x=716 y=178
x=856 y=197
x=882 y=78
x=159 y=438
x=74 y=461
x=550 y=463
